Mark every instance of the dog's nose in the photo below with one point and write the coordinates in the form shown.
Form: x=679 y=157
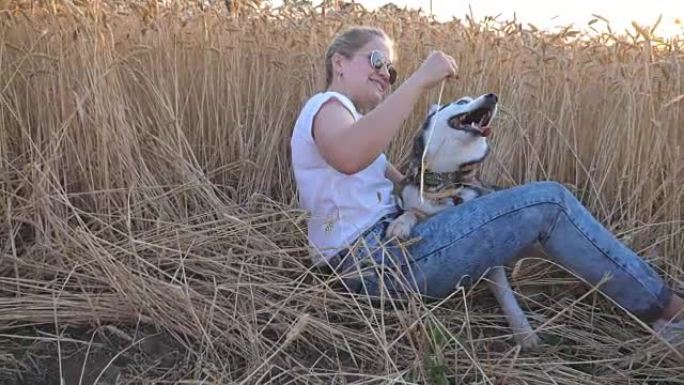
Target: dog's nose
x=493 y=97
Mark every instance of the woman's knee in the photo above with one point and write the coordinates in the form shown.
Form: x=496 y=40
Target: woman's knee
x=553 y=191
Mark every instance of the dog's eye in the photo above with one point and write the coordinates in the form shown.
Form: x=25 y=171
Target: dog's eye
x=462 y=102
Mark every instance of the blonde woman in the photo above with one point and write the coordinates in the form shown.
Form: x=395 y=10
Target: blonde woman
x=345 y=181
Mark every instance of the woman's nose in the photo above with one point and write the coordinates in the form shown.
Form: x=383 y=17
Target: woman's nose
x=384 y=71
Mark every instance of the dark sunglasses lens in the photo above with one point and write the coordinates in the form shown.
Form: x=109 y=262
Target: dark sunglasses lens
x=376 y=60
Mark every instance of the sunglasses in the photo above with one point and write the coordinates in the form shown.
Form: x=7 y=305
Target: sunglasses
x=378 y=60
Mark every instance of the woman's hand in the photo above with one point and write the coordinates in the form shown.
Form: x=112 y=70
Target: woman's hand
x=437 y=67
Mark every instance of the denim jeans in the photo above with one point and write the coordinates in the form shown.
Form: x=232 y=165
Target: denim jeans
x=460 y=244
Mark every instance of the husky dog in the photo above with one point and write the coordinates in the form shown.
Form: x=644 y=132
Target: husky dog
x=445 y=158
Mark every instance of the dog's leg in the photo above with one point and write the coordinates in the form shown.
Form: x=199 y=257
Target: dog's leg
x=415 y=209
x=522 y=331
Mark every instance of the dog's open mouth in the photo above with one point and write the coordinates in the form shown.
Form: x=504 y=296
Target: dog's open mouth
x=476 y=122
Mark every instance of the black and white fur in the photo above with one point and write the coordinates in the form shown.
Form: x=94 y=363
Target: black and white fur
x=456 y=138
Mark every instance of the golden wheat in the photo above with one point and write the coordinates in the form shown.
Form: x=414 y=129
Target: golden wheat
x=145 y=178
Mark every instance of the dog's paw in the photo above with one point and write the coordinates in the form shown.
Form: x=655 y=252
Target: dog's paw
x=528 y=342
x=401 y=227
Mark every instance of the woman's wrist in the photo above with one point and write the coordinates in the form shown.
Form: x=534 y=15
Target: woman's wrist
x=414 y=81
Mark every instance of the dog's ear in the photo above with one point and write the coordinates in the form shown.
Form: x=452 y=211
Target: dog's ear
x=418 y=147
x=419 y=141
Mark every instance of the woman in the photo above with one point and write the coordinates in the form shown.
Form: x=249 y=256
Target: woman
x=345 y=181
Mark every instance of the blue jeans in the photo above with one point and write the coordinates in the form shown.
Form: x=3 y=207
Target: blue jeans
x=460 y=244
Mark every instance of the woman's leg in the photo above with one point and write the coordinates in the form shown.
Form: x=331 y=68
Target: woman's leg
x=493 y=230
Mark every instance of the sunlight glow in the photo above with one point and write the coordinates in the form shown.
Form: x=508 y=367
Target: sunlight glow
x=551 y=15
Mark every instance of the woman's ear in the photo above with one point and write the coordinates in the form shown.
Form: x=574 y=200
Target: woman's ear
x=337 y=61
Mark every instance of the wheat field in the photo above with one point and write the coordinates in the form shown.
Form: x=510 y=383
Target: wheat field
x=149 y=228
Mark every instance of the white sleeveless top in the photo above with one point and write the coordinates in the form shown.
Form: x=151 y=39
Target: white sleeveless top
x=341 y=206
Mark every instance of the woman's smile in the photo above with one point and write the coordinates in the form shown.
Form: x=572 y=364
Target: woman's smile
x=381 y=84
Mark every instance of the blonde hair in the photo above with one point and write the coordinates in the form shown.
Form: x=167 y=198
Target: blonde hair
x=348 y=43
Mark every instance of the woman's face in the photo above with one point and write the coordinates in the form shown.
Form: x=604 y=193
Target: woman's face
x=366 y=86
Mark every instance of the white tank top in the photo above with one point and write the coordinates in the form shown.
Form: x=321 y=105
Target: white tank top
x=341 y=206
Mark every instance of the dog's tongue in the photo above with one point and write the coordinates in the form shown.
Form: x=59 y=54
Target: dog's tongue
x=486 y=131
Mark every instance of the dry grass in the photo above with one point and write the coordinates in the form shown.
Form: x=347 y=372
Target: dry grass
x=145 y=180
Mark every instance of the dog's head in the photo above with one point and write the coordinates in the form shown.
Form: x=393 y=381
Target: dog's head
x=457 y=133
